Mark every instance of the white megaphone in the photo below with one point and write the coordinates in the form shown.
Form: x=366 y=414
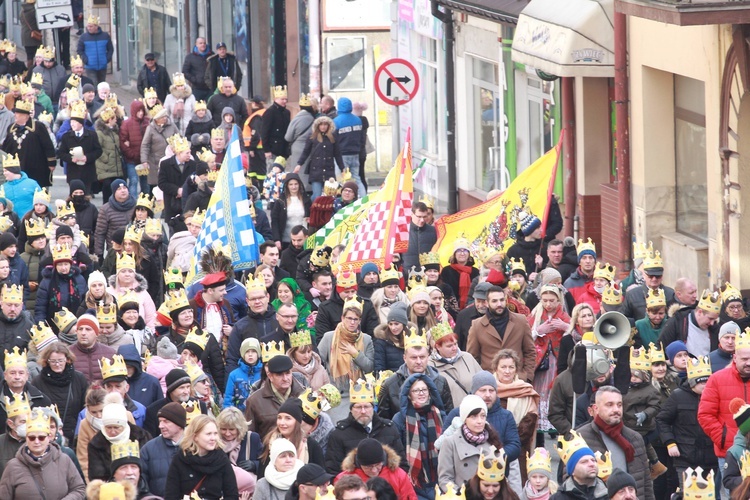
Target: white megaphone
x=612 y=330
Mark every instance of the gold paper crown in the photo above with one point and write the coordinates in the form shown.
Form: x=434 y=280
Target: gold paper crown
x=10 y=47
x=199 y=217
x=48 y=52
x=200 y=105
x=125 y=261
x=639 y=359
x=64 y=318
x=450 y=492
x=192 y=410
x=173 y=276
x=177 y=299
x=417 y=278
x=655 y=298
x=42 y=335
x=37 y=421
x=656 y=353
x=12 y=294
x=605 y=271
x=5 y=223
x=158 y=108
x=428 y=200
x=361 y=391
x=125 y=449
x=355 y=303
x=566 y=448
x=37 y=78
x=612 y=295
x=11 y=161
x=133 y=233
x=45 y=118
x=311 y=403
x=24 y=105
x=107 y=114
x=149 y=93
x=257 y=285
x=699 y=368
x=269 y=350
x=585 y=245
x=61 y=252
x=85 y=239
x=517 y=265
x=328 y=495
x=26 y=88
x=279 y=91
x=429 y=258
x=300 y=338
x=415 y=290
x=180 y=144
x=346 y=278
x=320 y=257
x=710 y=302
x=153 y=226
x=305 y=100
x=65 y=210
x=127 y=297
x=194 y=371
x=413 y=338
x=206 y=155
x=604 y=462
x=15 y=358
x=486 y=252
x=728 y=292
x=92 y=19
x=4 y=81
x=745 y=464
x=73 y=96
x=76 y=60
x=390 y=274
x=106 y=314
x=146 y=201
x=114 y=368
x=19 y=405
x=212 y=176
x=539 y=460
x=331 y=187
x=73 y=81
x=15 y=83
x=218 y=133
x=440 y=331
x=178 y=79
x=696 y=486
x=495 y=472
x=653 y=261
x=78 y=110
x=201 y=340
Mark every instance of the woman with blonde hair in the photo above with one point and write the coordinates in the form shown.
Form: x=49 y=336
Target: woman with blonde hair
x=582 y=321
x=242 y=446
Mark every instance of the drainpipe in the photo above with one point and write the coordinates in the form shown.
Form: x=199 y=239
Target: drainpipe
x=314 y=37
x=622 y=135
x=446 y=17
x=569 y=153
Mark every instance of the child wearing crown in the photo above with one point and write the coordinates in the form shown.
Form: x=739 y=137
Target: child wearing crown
x=247 y=373
x=274 y=181
x=539 y=471
x=61 y=286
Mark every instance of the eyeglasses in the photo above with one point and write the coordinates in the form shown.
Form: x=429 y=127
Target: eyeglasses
x=351 y=319
x=362 y=408
x=37 y=438
x=419 y=391
x=57 y=361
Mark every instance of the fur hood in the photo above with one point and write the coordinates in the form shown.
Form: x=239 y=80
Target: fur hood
x=182 y=93
x=141 y=287
x=102 y=127
x=382 y=334
x=348 y=465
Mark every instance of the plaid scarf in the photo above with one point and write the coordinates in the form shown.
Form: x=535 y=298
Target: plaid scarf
x=419 y=452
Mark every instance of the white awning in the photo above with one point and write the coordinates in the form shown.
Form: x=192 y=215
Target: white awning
x=567 y=37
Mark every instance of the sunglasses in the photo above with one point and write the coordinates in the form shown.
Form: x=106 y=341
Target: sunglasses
x=36 y=438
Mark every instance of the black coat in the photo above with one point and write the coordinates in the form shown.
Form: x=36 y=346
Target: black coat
x=528 y=250
x=463 y=323
x=162 y=78
x=273 y=127
x=214 y=69
x=91 y=148
x=70 y=398
x=388 y=356
x=170 y=181
x=213 y=469
x=289 y=258
x=197 y=199
x=37 y=153
x=322 y=156
x=100 y=452
x=194 y=69
x=211 y=359
x=217 y=103
x=329 y=315
x=253 y=325
x=86 y=215
x=278 y=212
x=676 y=328
x=37 y=399
x=348 y=433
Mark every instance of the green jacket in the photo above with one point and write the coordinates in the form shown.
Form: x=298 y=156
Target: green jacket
x=46 y=102
x=109 y=164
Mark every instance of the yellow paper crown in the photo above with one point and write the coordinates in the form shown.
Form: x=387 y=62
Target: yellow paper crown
x=78 y=110
x=300 y=338
x=199 y=339
x=106 y=313
x=415 y=290
x=331 y=187
x=37 y=421
x=192 y=410
x=158 y=108
x=429 y=258
x=15 y=358
x=417 y=278
x=380 y=380
x=413 y=338
x=114 y=368
x=194 y=371
x=26 y=88
x=41 y=196
x=440 y=331
x=4 y=81
x=517 y=265
x=76 y=60
x=269 y=350
x=745 y=464
x=612 y=295
x=361 y=391
x=48 y=52
x=64 y=318
x=65 y=210
x=125 y=261
x=206 y=155
x=173 y=276
x=178 y=79
x=42 y=335
x=11 y=161
x=10 y=47
x=199 y=217
x=328 y=495
x=180 y=144
x=12 y=294
x=312 y=405
x=5 y=223
x=729 y=292
x=390 y=274
x=146 y=201
x=253 y=284
x=15 y=83
x=539 y=460
x=200 y=105
x=212 y=176
x=355 y=303
x=133 y=233
x=107 y=114
x=61 y=252
x=710 y=302
x=127 y=298
x=320 y=257
x=73 y=96
x=85 y=239
x=218 y=133
x=305 y=100
x=19 y=405
x=656 y=353
x=149 y=93
x=451 y=493
x=92 y=19
x=653 y=261
x=492 y=468
x=280 y=91
x=24 y=105
x=153 y=226
x=428 y=200
x=605 y=464
x=696 y=486
x=655 y=298
x=566 y=448
x=125 y=449
x=486 y=252
x=177 y=299
x=346 y=278
x=73 y=81
x=37 y=78
x=585 y=245
x=699 y=367
x=605 y=271
x=639 y=359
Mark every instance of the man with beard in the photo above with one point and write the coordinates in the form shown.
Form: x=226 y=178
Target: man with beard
x=290 y=256
x=178 y=391
x=15 y=322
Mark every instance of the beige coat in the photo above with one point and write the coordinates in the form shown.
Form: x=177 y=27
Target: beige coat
x=484 y=342
x=154 y=147
x=54 y=473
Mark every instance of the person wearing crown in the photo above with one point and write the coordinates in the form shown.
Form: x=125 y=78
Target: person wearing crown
x=373 y=459
x=227 y=97
x=96 y=49
x=115 y=379
x=154 y=145
x=331 y=311
x=648 y=329
x=61 y=286
x=16 y=384
x=604 y=275
x=15 y=322
x=51 y=75
x=539 y=472
x=575 y=283
x=173 y=172
x=306 y=361
x=79 y=148
x=582 y=470
x=30 y=141
x=127 y=279
x=274 y=125
x=634 y=305
x=697 y=327
x=17 y=410
x=299 y=130
x=312 y=261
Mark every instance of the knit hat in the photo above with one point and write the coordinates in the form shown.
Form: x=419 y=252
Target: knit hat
x=369 y=267
x=77 y=184
x=97 y=277
x=351 y=185
x=116 y=184
x=293 y=407
x=529 y=224
x=125 y=460
x=166 y=349
x=741 y=414
x=482 y=378
x=370 y=452
x=88 y=319
x=729 y=327
x=63 y=230
x=175 y=413
x=118 y=236
x=248 y=344
x=469 y=404
x=175 y=378
x=114 y=414
x=398 y=313
x=497 y=278
x=201 y=168
x=87 y=88
x=279 y=446
x=618 y=480
x=420 y=294
x=6 y=240
x=674 y=348
x=576 y=456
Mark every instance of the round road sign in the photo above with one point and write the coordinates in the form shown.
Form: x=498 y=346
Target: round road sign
x=396 y=81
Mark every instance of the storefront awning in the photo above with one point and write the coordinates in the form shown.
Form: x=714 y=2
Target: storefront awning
x=570 y=38
x=504 y=11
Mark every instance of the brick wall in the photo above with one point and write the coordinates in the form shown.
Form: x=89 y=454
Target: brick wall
x=589 y=220
x=610 y=227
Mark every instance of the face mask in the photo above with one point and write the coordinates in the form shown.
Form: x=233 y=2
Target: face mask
x=21 y=430
x=79 y=199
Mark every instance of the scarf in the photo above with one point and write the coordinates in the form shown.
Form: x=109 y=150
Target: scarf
x=66 y=338
x=531 y=494
x=282 y=480
x=614 y=432
x=55 y=296
x=464 y=283
x=124 y=206
x=204 y=53
x=475 y=439
x=520 y=397
x=499 y=321
x=342 y=362
x=121 y=437
x=232 y=449
x=58 y=379
x=419 y=453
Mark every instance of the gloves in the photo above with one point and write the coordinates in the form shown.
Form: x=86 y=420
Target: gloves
x=246 y=465
x=640 y=417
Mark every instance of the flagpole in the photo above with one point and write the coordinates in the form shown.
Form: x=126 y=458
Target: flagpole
x=388 y=256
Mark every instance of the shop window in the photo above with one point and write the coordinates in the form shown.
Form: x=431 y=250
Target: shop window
x=426 y=136
x=691 y=191
x=346 y=63
x=487 y=123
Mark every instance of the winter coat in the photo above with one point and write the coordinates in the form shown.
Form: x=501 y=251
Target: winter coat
x=458 y=375
x=720 y=359
x=677 y=328
x=645 y=398
x=37 y=152
x=194 y=69
x=714 y=415
x=528 y=250
x=100 y=452
x=144 y=388
x=86 y=216
x=200 y=125
x=117 y=338
x=217 y=103
x=297 y=134
x=273 y=128
x=484 y=341
x=639 y=468
x=29 y=24
x=15 y=332
x=53 y=80
x=162 y=78
x=678 y=425
x=458 y=459
x=253 y=325
x=6 y=120
x=89 y=142
x=132 y=131
x=576 y=283
x=215 y=68
x=88 y=359
x=561 y=402
x=55 y=473
x=421 y=240
x=348 y=132
x=44 y=310
x=96 y=50
x=388 y=356
x=70 y=399
x=110 y=219
x=154 y=147
x=348 y=433
x=262 y=407
x=187 y=470
x=180 y=98
x=634 y=304
x=170 y=180
x=504 y=424
x=239 y=382
x=21 y=192
x=156 y=456
x=323 y=157
x=316 y=378
x=36 y=398
x=389 y=399
x=197 y=200
x=19 y=273
x=330 y=311
x=569 y=491
x=391 y=472
x=109 y=164
x=146 y=308
x=180 y=250
x=278 y=212
x=363 y=360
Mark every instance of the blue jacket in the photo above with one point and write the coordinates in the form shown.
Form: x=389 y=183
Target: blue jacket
x=96 y=50
x=21 y=193
x=139 y=412
x=66 y=126
x=502 y=421
x=348 y=132
x=239 y=382
x=156 y=455
x=144 y=387
x=19 y=272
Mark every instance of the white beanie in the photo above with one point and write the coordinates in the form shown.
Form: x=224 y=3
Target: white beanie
x=469 y=404
x=114 y=412
x=279 y=446
x=97 y=277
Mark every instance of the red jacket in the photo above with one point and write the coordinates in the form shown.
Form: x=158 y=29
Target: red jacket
x=133 y=130
x=714 y=415
x=391 y=472
x=590 y=297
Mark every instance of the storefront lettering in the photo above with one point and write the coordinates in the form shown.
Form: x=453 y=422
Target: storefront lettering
x=587 y=55
x=540 y=35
